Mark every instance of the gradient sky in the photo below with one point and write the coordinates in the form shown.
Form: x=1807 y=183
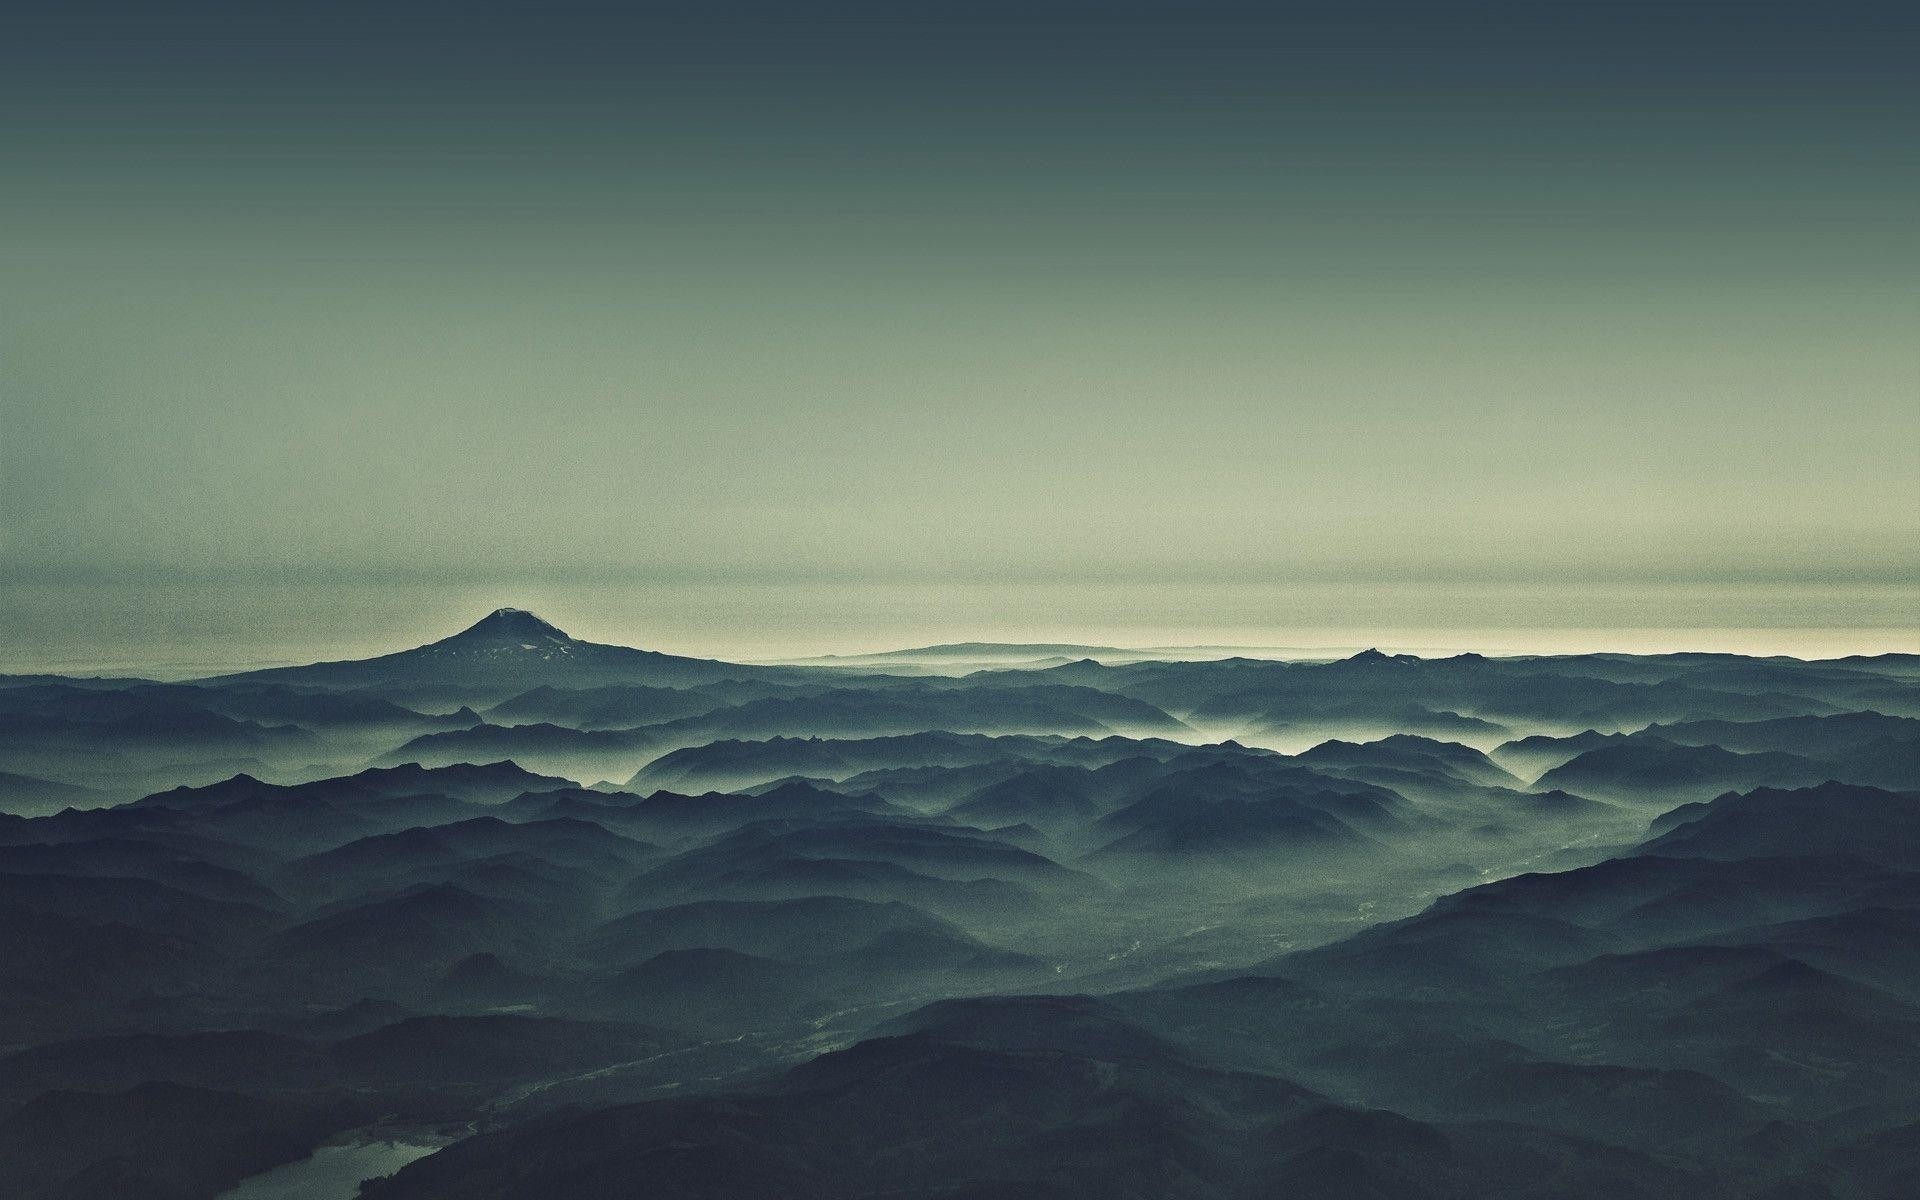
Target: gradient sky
x=746 y=327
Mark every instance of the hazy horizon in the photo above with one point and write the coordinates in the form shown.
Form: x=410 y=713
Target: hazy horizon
x=186 y=635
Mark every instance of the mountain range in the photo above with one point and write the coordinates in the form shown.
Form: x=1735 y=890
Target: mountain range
x=974 y=920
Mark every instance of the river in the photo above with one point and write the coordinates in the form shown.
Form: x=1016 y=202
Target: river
x=333 y=1172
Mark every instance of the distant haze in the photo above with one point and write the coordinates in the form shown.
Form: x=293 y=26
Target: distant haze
x=781 y=329
x=196 y=630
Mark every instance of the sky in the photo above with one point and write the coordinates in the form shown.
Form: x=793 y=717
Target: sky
x=753 y=328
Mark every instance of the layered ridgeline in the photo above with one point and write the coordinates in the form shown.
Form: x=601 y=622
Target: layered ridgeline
x=982 y=921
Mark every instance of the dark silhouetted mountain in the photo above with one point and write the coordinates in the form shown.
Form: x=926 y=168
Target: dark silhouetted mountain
x=1040 y=1097
x=297 y=819
x=155 y=1141
x=483 y=981
x=24 y=795
x=240 y=1060
x=362 y=1016
x=976 y=652
x=1246 y=834
x=608 y=807
x=1559 y=804
x=173 y=829
x=61 y=976
x=1832 y=819
x=1466 y=694
x=1189 y=784
x=1865 y=748
x=1870 y=941
x=1402 y=752
x=1046 y=797
x=803 y=929
x=400 y=946
x=574 y=846
x=773 y=874
x=1792 y=989
x=913 y=963
x=1846 y=687
x=1827 y=737
x=1637 y=1105
x=1884 y=1163
x=672 y=815
x=121 y=741
x=926 y=788
x=732 y=765
x=274 y=705
x=1531 y=757
x=489 y=783
x=954 y=854
x=581 y=753
x=1651 y=771
x=870 y=713
x=136 y=858
x=710 y=991
x=490 y=1049
x=611 y=707
x=1901 y=665
x=504 y=654
x=139 y=903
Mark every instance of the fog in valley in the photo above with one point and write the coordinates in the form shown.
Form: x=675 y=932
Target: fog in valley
x=513 y=911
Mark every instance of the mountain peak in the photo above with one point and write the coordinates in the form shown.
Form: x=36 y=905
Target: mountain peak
x=1371 y=656
x=514 y=623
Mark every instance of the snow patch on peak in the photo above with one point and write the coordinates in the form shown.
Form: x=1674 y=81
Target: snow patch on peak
x=512 y=629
